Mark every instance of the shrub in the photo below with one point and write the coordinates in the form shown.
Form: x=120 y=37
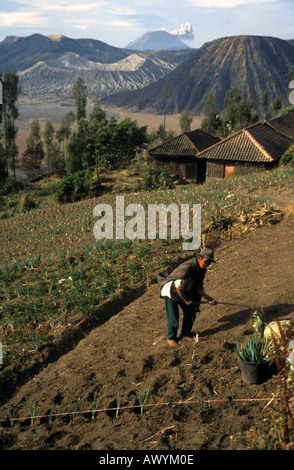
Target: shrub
x=288 y=157
x=155 y=178
x=10 y=185
x=77 y=185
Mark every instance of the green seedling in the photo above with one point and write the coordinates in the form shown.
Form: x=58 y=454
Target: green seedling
x=143 y=395
x=10 y=322
x=118 y=400
x=72 y=412
x=50 y=417
x=201 y=402
x=7 y=294
x=36 y=343
x=95 y=403
x=231 y=402
x=11 y=414
x=32 y=409
x=22 y=323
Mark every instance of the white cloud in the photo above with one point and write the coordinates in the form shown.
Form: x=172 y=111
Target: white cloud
x=23 y=18
x=226 y=3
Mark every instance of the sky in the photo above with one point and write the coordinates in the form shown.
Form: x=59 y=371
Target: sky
x=118 y=23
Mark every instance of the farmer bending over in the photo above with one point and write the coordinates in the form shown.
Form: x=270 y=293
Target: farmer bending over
x=184 y=287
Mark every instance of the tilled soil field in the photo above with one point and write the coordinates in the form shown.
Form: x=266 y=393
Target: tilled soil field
x=128 y=351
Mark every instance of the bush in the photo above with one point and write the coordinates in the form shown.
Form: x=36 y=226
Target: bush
x=75 y=186
x=288 y=157
x=26 y=203
x=155 y=178
x=10 y=185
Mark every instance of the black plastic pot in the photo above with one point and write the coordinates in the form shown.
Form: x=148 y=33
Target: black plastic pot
x=254 y=373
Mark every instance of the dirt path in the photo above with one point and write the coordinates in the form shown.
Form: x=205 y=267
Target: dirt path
x=253 y=271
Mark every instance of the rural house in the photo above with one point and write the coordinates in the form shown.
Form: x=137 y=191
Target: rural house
x=179 y=154
x=284 y=123
x=258 y=146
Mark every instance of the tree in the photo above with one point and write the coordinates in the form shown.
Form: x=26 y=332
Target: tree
x=264 y=101
x=48 y=135
x=277 y=104
x=64 y=131
x=3 y=171
x=291 y=73
x=79 y=90
x=77 y=147
x=34 y=153
x=212 y=123
x=129 y=140
x=54 y=158
x=186 y=120
x=11 y=91
x=237 y=111
x=99 y=142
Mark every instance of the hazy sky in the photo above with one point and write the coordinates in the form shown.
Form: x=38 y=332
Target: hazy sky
x=119 y=22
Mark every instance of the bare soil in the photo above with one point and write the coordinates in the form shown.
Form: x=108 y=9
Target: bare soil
x=126 y=346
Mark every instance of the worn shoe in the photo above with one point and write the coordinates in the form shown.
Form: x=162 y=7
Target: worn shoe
x=172 y=343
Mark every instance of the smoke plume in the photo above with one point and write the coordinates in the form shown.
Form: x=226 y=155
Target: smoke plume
x=185 y=32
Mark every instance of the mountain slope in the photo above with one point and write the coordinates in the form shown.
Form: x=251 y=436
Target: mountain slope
x=157 y=40
x=49 y=65
x=52 y=80
x=254 y=63
x=19 y=53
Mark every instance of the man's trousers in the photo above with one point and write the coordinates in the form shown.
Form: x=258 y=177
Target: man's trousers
x=172 y=315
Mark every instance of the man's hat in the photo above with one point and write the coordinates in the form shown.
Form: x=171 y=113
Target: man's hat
x=207 y=253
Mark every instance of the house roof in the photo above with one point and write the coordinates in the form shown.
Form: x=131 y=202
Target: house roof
x=284 y=123
x=258 y=143
x=188 y=144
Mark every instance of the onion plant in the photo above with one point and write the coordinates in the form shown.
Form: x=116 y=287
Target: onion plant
x=253 y=350
x=52 y=411
x=118 y=400
x=95 y=403
x=72 y=412
x=32 y=409
x=11 y=414
x=143 y=395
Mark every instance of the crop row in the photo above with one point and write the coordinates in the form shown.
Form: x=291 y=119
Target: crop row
x=70 y=227
x=54 y=273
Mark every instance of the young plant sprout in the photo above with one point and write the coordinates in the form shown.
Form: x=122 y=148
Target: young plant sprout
x=118 y=400
x=32 y=409
x=143 y=395
x=50 y=417
x=11 y=414
x=72 y=412
x=95 y=403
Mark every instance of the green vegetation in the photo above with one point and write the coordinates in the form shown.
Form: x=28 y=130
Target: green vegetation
x=288 y=157
x=54 y=273
x=8 y=130
x=253 y=350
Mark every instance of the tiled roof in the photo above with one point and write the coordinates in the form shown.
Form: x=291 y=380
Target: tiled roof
x=258 y=143
x=188 y=144
x=284 y=123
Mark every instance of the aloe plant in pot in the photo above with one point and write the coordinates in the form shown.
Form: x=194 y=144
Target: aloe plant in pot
x=254 y=360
